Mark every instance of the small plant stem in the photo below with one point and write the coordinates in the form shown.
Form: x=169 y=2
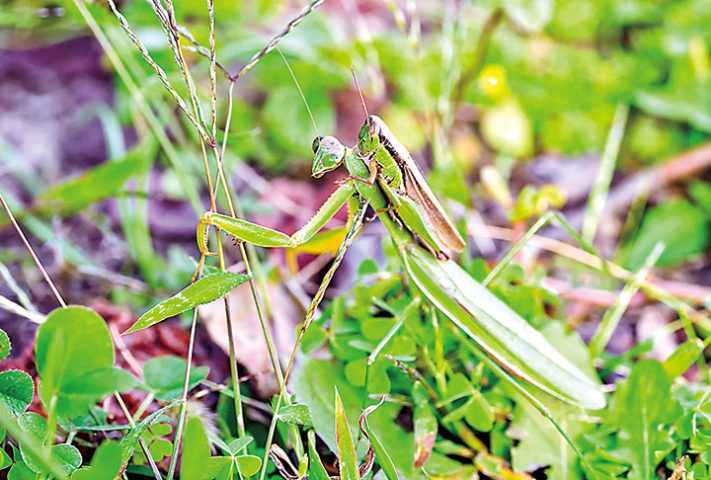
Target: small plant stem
x=153 y=122
x=141 y=442
x=355 y=226
x=601 y=186
x=612 y=316
x=183 y=400
x=144 y=406
x=29 y=248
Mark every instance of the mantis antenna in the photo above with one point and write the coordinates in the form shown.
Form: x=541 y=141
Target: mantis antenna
x=360 y=93
x=298 y=87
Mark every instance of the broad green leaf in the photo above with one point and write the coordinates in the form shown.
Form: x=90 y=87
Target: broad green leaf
x=347 y=461
x=20 y=471
x=205 y=290
x=66 y=456
x=5 y=460
x=73 y=343
x=34 y=424
x=248 y=464
x=102 y=382
x=681 y=226
x=196 y=462
x=95 y=185
x=105 y=465
x=5 y=345
x=501 y=332
x=641 y=409
x=297 y=414
x=166 y=376
x=16 y=390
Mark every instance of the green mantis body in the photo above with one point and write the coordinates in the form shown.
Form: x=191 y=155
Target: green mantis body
x=382 y=173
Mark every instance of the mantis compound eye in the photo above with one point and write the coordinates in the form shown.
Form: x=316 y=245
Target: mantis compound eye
x=316 y=144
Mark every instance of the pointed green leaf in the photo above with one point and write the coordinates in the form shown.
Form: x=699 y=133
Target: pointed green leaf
x=425 y=425
x=316 y=468
x=347 y=461
x=205 y=290
x=97 y=184
x=683 y=357
x=382 y=457
x=16 y=390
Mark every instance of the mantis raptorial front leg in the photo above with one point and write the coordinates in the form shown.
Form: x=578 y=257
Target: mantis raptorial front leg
x=245 y=231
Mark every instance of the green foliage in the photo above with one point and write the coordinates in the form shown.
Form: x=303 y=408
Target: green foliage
x=5 y=345
x=204 y=290
x=164 y=376
x=682 y=227
x=16 y=390
x=106 y=463
x=75 y=356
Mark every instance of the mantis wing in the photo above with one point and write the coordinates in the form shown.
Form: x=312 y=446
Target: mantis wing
x=416 y=188
x=502 y=333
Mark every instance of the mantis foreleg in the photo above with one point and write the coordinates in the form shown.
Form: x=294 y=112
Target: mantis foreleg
x=249 y=232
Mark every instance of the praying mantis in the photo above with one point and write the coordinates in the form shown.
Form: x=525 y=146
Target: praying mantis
x=382 y=174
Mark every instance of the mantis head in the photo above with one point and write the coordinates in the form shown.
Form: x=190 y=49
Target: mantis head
x=369 y=135
x=329 y=154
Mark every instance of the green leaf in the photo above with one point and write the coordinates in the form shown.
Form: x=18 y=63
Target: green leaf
x=166 y=375
x=381 y=454
x=641 y=408
x=16 y=390
x=347 y=461
x=205 y=290
x=248 y=464
x=102 y=382
x=97 y=184
x=67 y=457
x=20 y=471
x=106 y=464
x=130 y=441
x=681 y=226
x=239 y=444
x=73 y=343
x=34 y=424
x=5 y=345
x=196 y=462
x=297 y=414
x=683 y=357
x=316 y=468
x=425 y=425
